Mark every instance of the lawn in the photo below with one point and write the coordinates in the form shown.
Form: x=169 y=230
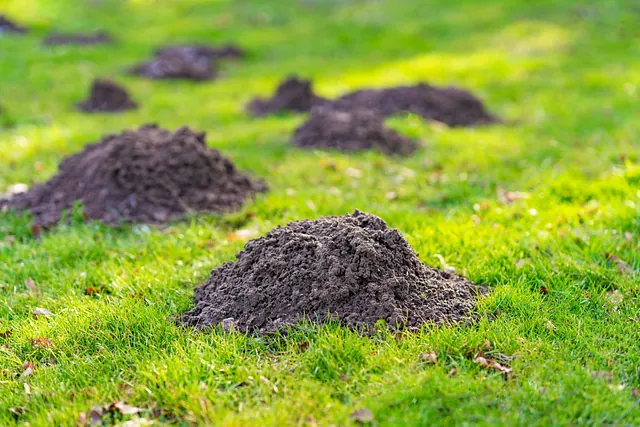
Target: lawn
x=562 y=264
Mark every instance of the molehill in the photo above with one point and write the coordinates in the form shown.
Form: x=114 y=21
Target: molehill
x=107 y=96
x=79 y=39
x=293 y=94
x=147 y=175
x=8 y=26
x=176 y=64
x=450 y=105
x=198 y=51
x=351 y=130
x=352 y=268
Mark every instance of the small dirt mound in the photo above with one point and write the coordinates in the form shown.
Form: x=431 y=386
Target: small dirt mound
x=359 y=129
x=107 y=96
x=177 y=64
x=293 y=94
x=8 y=26
x=450 y=105
x=198 y=51
x=80 y=39
x=148 y=175
x=353 y=267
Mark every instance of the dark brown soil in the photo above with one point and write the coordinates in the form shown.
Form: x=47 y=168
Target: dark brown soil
x=198 y=51
x=450 y=105
x=352 y=267
x=358 y=129
x=80 y=39
x=107 y=96
x=176 y=64
x=293 y=94
x=8 y=26
x=148 y=175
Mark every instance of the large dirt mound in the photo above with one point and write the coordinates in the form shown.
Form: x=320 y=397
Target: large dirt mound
x=80 y=39
x=358 y=129
x=107 y=96
x=8 y=26
x=293 y=94
x=147 y=175
x=450 y=105
x=198 y=51
x=177 y=64
x=353 y=267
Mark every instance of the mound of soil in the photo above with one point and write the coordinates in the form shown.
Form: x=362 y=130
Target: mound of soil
x=107 y=96
x=198 y=51
x=450 y=105
x=8 y=26
x=358 y=129
x=353 y=267
x=292 y=94
x=176 y=64
x=80 y=39
x=148 y=175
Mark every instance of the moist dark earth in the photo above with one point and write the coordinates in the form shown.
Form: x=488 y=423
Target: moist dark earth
x=450 y=105
x=350 y=130
x=8 y=26
x=107 y=96
x=175 y=64
x=353 y=267
x=198 y=51
x=80 y=39
x=293 y=94
x=148 y=175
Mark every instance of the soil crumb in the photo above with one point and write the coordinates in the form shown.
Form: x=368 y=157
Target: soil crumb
x=353 y=267
x=450 y=105
x=80 y=39
x=293 y=94
x=198 y=51
x=358 y=129
x=107 y=96
x=8 y=26
x=148 y=175
x=177 y=64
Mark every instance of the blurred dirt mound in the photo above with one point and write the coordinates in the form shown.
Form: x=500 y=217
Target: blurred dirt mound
x=146 y=175
x=80 y=39
x=293 y=94
x=107 y=96
x=358 y=129
x=450 y=105
x=176 y=64
x=198 y=51
x=8 y=26
x=353 y=267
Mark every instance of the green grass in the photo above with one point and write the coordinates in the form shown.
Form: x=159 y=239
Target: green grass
x=563 y=73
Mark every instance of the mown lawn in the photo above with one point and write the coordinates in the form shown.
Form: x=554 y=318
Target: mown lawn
x=565 y=75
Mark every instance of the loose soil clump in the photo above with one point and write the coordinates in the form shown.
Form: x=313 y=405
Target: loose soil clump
x=358 y=129
x=352 y=268
x=79 y=39
x=293 y=94
x=450 y=105
x=177 y=64
x=107 y=96
x=8 y=26
x=199 y=51
x=148 y=175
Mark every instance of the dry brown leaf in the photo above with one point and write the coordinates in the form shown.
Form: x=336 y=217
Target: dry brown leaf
x=41 y=342
x=362 y=416
x=549 y=325
x=508 y=197
x=27 y=372
x=125 y=409
x=28 y=365
x=36 y=230
x=490 y=363
x=82 y=419
x=521 y=263
x=636 y=393
x=430 y=357
x=27 y=389
x=243 y=234
x=623 y=267
x=95 y=415
x=453 y=372
x=615 y=298
x=38 y=311
x=31 y=285
x=6 y=334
